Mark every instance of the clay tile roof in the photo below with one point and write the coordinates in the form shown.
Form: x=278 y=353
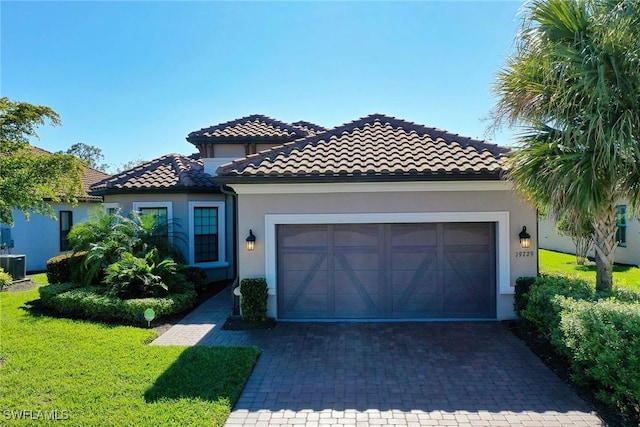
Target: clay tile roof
x=375 y=147
x=90 y=177
x=252 y=128
x=173 y=172
x=311 y=128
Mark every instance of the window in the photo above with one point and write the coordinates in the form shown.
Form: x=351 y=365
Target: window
x=621 y=223
x=207 y=234
x=160 y=220
x=111 y=208
x=66 y=222
x=160 y=211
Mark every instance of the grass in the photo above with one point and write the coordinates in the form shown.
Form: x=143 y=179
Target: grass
x=557 y=262
x=92 y=374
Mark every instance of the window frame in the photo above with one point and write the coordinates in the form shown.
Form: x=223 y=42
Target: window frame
x=222 y=255
x=621 y=226
x=158 y=205
x=64 y=234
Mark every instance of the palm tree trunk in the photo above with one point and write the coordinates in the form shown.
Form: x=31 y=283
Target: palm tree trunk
x=604 y=242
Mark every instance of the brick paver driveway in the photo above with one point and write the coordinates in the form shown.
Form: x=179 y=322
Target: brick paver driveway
x=460 y=374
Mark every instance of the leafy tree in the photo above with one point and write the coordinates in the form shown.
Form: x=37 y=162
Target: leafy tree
x=30 y=178
x=129 y=165
x=573 y=85
x=580 y=229
x=91 y=156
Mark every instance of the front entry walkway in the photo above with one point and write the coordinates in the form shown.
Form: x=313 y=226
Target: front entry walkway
x=411 y=374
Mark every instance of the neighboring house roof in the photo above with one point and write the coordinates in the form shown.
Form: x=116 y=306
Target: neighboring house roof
x=89 y=177
x=170 y=173
x=254 y=128
x=373 y=148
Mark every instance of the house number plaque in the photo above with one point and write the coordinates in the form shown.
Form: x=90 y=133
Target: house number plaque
x=521 y=254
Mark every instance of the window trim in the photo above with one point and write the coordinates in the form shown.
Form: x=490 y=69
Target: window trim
x=60 y=230
x=152 y=205
x=621 y=226
x=222 y=254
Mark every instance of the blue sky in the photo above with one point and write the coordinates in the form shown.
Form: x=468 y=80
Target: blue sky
x=134 y=78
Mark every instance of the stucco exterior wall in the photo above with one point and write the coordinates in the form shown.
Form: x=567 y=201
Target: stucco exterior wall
x=229 y=150
x=39 y=237
x=180 y=221
x=629 y=254
x=253 y=209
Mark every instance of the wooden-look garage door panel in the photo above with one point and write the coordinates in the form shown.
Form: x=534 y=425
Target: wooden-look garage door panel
x=378 y=271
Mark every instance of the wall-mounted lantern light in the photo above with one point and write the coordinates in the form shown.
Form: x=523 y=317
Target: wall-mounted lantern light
x=525 y=238
x=251 y=241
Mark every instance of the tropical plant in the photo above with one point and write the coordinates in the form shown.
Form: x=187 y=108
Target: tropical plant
x=572 y=85
x=107 y=237
x=135 y=277
x=580 y=229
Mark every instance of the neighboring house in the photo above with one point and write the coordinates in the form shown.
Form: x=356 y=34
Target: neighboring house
x=41 y=237
x=627 y=236
x=376 y=219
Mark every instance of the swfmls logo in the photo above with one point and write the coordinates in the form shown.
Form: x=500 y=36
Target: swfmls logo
x=22 y=414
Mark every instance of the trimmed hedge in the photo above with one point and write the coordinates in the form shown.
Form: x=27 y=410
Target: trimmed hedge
x=521 y=296
x=91 y=302
x=65 y=268
x=598 y=332
x=540 y=309
x=253 y=302
x=603 y=338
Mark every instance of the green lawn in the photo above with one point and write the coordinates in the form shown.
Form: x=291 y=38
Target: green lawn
x=556 y=262
x=91 y=374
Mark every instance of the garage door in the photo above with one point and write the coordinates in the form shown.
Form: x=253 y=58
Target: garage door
x=386 y=271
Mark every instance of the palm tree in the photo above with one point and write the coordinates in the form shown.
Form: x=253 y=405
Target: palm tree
x=573 y=88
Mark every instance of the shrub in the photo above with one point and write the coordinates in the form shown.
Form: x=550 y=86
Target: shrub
x=542 y=311
x=196 y=276
x=65 y=268
x=626 y=295
x=253 y=302
x=92 y=302
x=521 y=297
x=5 y=279
x=604 y=340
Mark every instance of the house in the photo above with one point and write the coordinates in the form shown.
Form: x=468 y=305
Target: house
x=377 y=219
x=627 y=236
x=382 y=219
x=42 y=237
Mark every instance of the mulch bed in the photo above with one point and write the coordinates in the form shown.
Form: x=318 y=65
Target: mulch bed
x=561 y=367
x=21 y=285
